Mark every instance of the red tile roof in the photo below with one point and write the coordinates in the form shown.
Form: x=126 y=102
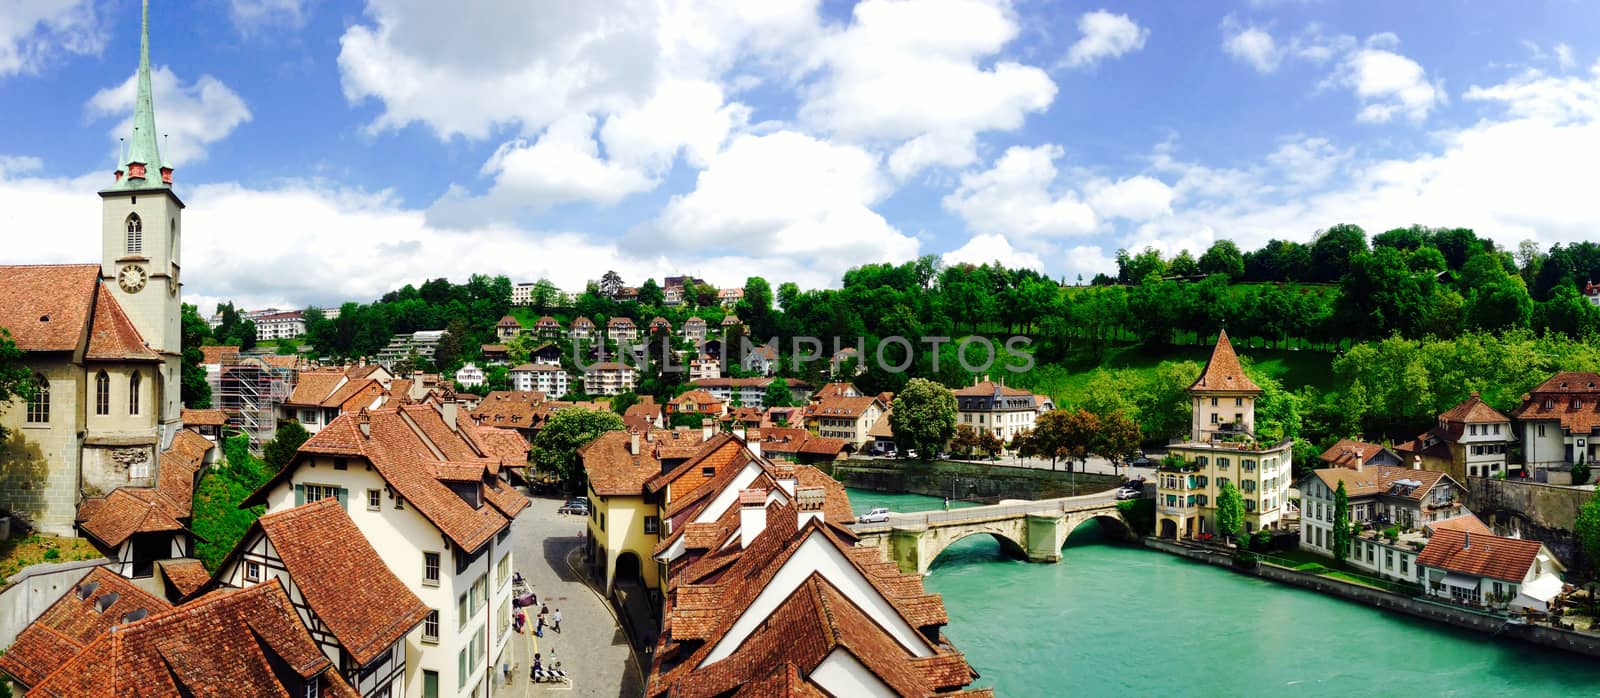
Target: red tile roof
x=1466 y=522
x=1474 y=410
x=1476 y=554
x=130 y=510
x=73 y=621
x=216 y=353
x=342 y=578
x=112 y=337
x=401 y=446
x=1223 y=371
x=313 y=387
x=48 y=307
x=226 y=643
x=1380 y=479
x=1344 y=454
x=187 y=576
x=205 y=418
x=1573 y=398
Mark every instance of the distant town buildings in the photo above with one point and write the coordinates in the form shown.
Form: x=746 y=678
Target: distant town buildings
x=421 y=344
x=991 y=406
x=470 y=376
x=609 y=378
x=540 y=377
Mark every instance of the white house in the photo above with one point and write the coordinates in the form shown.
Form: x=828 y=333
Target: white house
x=470 y=376
x=280 y=326
x=1475 y=569
x=762 y=360
x=423 y=484
x=540 y=377
x=992 y=407
x=609 y=379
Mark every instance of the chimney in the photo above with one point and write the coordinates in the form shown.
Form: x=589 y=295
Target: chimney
x=752 y=515
x=708 y=427
x=808 y=501
x=787 y=480
x=1416 y=462
x=753 y=443
x=633 y=440
x=738 y=430
x=364 y=420
x=1359 y=462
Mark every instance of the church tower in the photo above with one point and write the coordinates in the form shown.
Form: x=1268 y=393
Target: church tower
x=141 y=238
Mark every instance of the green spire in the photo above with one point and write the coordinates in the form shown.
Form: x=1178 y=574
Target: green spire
x=143 y=148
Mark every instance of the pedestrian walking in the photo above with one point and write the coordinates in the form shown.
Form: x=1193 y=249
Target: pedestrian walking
x=557 y=617
x=539 y=631
x=544 y=610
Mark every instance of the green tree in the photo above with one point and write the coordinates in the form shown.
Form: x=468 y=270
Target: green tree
x=1118 y=438
x=555 y=448
x=1223 y=258
x=1341 y=523
x=219 y=523
x=1183 y=264
x=15 y=379
x=924 y=417
x=1588 y=527
x=651 y=294
x=284 y=444
x=1332 y=250
x=622 y=401
x=1230 y=511
x=193 y=388
x=778 y=394
x=965 y=442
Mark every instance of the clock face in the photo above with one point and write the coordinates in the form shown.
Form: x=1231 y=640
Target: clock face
x=132 y=278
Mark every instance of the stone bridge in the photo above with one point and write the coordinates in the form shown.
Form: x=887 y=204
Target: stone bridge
x=1034 y=531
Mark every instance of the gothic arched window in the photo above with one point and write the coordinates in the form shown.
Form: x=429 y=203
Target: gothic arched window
x=135 y=234
x=39 y=401
x=133 y=393
x=102 y=393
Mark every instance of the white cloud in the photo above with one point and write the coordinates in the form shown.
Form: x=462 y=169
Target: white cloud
x=192 y=116
x=19 y=164
x=1015 y=197
x=563 y=166
x=1253 y=45
x=1564 y=58
x=989 y=248
x=34 y=32
x=1135 y=198
x=1388 y=85
x=254 y=15
x=1105 y=35
x=813 y=211
x=911 y=75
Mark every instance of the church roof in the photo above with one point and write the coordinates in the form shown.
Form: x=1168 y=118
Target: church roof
x=143 y=148
x=112 y=336
x=46 y=307
x=1223 y=371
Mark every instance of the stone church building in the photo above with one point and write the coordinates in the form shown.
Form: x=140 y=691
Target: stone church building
x=102 y=341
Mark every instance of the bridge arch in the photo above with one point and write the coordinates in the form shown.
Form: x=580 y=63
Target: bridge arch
x=1113 y=526
x=1009 y=545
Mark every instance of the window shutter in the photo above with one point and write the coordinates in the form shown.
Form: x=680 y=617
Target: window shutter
x=343 y=495
x=299 y=495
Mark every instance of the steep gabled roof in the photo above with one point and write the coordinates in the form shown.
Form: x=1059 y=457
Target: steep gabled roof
x=130 y=510
x=1381 y=479
x=1473 y=410
x=311 y=388
x=342 y=578
x=1506 y=559
x=47 y=307
x=1345 y=453
x=226 y=643
x=97 y=603
x=1223 y=371
x=112 y=336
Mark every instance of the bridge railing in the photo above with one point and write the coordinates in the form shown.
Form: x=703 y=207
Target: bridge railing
x=992 y=511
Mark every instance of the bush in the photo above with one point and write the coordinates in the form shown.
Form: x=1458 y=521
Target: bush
x=52 y=554
x=1140 y=514
x=1263 y=540
x=1392 y=533
x=1580 y=473
x=1245 y=559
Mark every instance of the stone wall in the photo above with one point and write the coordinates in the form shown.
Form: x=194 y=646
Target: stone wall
x=969 y=481
x=1545 y=513
x=1465 y=618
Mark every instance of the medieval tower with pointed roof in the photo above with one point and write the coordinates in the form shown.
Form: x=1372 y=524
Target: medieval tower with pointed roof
x=102 y=341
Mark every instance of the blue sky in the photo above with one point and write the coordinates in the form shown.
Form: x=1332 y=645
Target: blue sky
x=331 y=150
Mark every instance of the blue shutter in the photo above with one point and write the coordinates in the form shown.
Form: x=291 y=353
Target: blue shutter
x=299 y=495
x=342 y=494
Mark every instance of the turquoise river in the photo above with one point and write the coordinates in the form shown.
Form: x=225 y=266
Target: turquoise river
x=1116 y=620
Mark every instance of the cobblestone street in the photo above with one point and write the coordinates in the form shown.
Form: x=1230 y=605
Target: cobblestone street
x=591 y=647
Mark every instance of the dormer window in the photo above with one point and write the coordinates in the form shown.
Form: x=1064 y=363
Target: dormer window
x=135 y=234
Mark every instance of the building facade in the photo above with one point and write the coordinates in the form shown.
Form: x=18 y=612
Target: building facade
x=609 y=379
x=538 y=377
x=992 y=407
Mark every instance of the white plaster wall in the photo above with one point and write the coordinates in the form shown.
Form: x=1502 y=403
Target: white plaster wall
x=841 y=674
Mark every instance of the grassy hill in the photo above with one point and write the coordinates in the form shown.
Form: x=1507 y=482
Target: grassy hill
x=1066 y=382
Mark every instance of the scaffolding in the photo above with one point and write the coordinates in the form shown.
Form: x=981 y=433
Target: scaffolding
x=250 y=388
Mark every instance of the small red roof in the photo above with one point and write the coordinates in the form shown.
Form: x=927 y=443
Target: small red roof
x=1223 y=372
x=1506 y=559
x=113 y=336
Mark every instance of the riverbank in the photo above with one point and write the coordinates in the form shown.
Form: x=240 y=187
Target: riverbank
x=1118 y=620
x=985 y=483
x=1494 y=625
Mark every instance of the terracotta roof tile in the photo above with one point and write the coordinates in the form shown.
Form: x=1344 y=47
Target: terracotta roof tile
x=187 y=576
x=1573 y=399
x=73 y=621
x=204 y=418
x=1474 y=410
x=1380 y=479
x=113 y=337
x=210 y=646
x=313 y=387
x=48 y=307
x=1465 y=522
x=130 y=510
x=1223 y=371
x=1344 y=453
x=342 y=578
x=215 y=354
x=1477 y=554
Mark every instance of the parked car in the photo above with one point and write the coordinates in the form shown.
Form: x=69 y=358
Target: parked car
x=1130 y=493
x=877 y=515
x=1140 y=462
x=579 y=506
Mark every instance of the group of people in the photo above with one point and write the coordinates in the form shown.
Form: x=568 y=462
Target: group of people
x=520 y=619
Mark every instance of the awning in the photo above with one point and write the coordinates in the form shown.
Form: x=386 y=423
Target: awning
x=1537 y=593
x=1463 y=581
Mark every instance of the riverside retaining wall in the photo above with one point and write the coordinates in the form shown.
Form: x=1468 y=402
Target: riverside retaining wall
x=969 y=481
x=1545 y=513
x=1465 y=618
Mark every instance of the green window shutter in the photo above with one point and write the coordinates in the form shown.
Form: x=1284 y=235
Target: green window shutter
x=343 y=494
x=299 y=495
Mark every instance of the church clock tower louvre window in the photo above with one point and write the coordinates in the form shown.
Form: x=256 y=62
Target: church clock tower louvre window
x=135 y=234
